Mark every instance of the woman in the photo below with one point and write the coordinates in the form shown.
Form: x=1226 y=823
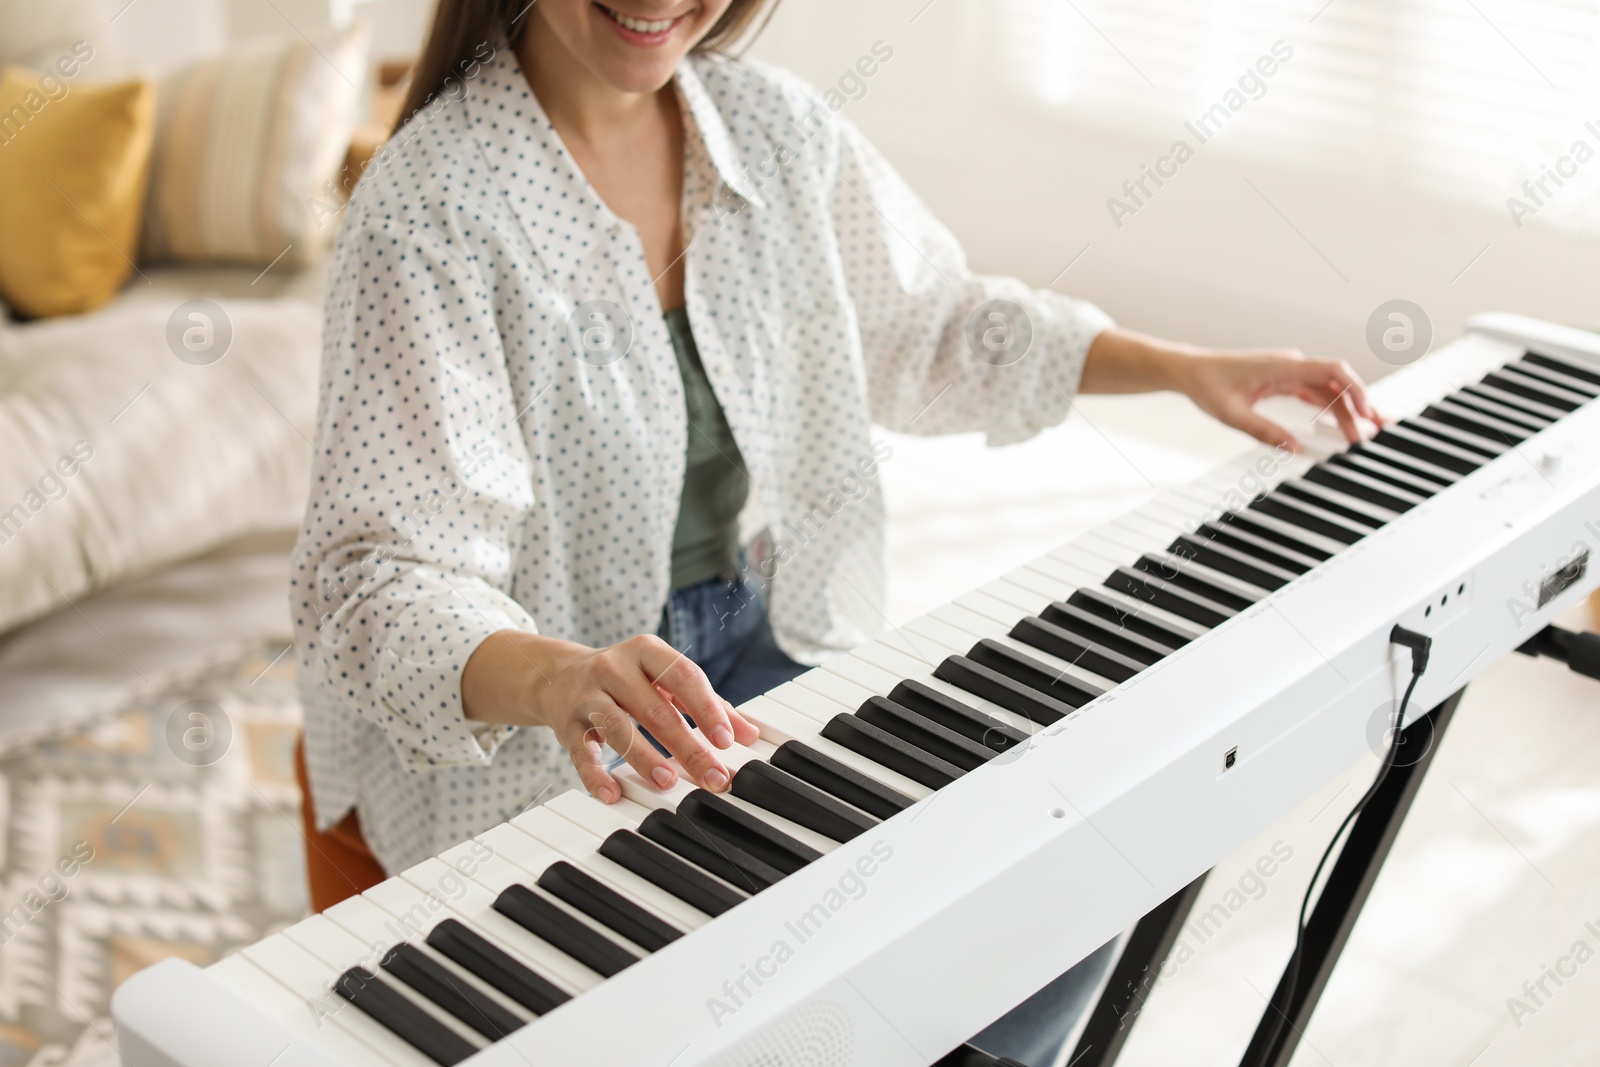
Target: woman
x=608 y=322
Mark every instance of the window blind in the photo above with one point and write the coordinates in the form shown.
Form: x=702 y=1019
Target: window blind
x=1463 y=99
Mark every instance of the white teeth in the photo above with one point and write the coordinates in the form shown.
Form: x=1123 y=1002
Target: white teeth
x=640 y=25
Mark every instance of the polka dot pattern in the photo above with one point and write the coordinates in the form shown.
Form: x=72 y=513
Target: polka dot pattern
x=474 y=474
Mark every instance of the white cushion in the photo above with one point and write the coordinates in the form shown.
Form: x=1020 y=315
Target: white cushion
x=180 y=457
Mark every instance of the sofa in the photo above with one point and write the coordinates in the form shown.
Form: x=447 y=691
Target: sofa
x=148 y=498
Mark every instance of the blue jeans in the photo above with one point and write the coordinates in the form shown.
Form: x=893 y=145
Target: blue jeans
x=722 y=625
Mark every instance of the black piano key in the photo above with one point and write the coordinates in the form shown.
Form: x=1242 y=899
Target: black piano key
x=1129 y=617
x=929 y=736
x=1388 y=474
x=885 y=749
x=1190 y=574
x=767 y=843
x=1330 y=500
x=1476 y=402
x=952 y=714
x=1377 y=452
x=1563 y=366
x=1430 y=449
x=1353 y=480
x=395 y=1013
x=1221 y=557
x=839 y=780
x=669 y=873
x=1169 y=597
x=1074 y=648
x=1579 y=393
x=1307 y=517
x=461 y=999
x=997 y=688
x=1544 y=414
x=1516 y=424
x=1106 y=632
x=1051 y=681
x=1569 y=383
x=1253 y=522
x=1238 y=538
x=1530 y=389
x=571 y=935
x=727 y=861
x=1476 y=423
x=474 y=953
x=778 y=791
x=1422 y=424
x=607 y=907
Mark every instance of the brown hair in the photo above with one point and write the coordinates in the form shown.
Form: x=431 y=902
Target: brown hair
x=462 y=28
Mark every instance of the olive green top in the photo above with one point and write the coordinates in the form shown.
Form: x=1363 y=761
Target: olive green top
x=715 y=482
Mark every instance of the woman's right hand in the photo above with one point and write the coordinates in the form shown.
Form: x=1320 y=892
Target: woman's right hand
x=592 y=697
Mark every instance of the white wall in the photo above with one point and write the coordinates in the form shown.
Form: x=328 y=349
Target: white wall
x=1207 y=260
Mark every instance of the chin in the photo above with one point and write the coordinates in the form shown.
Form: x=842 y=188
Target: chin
x=636 y=54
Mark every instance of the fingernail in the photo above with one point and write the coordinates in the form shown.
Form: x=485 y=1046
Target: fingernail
x=663 y=777
x=716 y=779
x=608 y=794
x=721 y=736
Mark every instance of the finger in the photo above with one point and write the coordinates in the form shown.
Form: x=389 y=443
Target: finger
x=660 y=715
x=1343 y=409
x=1355 y=390
x=586 y=755
x=1262 y=429
x=672 y=671
x=744 y=731
x=615 y=726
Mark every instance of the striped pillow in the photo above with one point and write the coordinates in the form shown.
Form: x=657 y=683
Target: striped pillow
x=245 y=142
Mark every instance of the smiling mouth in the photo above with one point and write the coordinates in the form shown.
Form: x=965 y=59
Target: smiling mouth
x=650 y=27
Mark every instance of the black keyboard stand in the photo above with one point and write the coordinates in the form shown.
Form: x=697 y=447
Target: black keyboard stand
x=1327 y=929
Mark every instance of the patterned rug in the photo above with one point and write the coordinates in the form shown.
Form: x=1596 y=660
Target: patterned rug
x=170 y=829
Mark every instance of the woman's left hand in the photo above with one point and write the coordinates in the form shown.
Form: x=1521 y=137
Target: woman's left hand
x=1228 y=385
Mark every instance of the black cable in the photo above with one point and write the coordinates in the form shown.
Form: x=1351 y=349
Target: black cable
x=1420 y=646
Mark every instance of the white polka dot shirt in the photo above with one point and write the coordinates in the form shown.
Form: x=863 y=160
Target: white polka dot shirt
x=497 y=450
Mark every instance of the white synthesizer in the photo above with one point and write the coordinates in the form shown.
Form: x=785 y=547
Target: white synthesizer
x=937 y=823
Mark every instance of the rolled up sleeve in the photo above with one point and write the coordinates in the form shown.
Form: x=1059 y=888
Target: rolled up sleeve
x=422 y=486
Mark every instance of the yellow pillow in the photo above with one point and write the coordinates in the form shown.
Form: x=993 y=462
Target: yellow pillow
x=74 y=160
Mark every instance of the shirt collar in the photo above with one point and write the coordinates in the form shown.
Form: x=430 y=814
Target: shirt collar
x=707 y=121
x=502 y=103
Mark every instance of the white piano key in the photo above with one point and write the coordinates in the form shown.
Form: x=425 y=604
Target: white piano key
x=783 y=721
x=582 y=849
x=1157 y=523
x=1376 y=512
x=273 y=999
x=637 y=790
x=983 y=604
x=779 y=723
x=1237 y=586
x=808 y=702
x=310 y=979
x=835 y=687
x=373 y=927
x=602 y=819
x=947 y=640
x=1068 y=574
x=474 y=905
x=587 y=819
x=1299 y=533
x=1024 y=601
x=340 y=950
